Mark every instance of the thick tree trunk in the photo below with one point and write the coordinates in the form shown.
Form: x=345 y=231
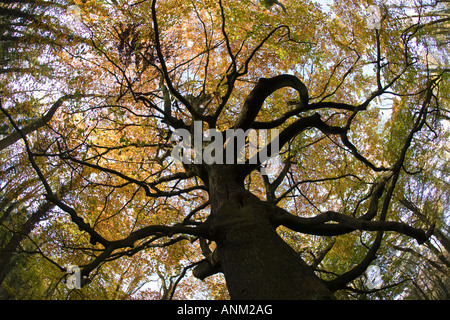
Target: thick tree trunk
x=256 y=262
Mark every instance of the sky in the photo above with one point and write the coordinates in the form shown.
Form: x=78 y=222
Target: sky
x=325 y=3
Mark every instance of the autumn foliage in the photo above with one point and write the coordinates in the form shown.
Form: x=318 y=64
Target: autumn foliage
x=91 y=98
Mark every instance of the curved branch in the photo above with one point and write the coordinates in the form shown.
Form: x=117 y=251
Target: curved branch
x=234 y=74
x=263 y=89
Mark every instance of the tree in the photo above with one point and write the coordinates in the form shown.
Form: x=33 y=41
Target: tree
x=304 y=227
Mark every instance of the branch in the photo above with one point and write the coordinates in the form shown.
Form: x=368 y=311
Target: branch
x=263 y=89
x=299 y=109
x=186 y=220
x=181 y=276
x=321 y=255
x=165 y=73
x=295 y=185
x=419 y=235
x=271 y=187
x=148 y=187
x=208 y=266
x=259 y=46
x=437 y=233
x=313 y=121
x=172 y=121
x=341 y=281
x=227 y=40
x=157 y=230
x=51 y=196
x=319 y=225
x=375 y=290
x=39 y=123
x=379 y=85
x=302 y=107
x=357 y=155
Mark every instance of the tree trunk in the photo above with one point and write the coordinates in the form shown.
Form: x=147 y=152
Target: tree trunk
x=256 y=262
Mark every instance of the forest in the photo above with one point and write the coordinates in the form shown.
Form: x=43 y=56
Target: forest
x=224 y=149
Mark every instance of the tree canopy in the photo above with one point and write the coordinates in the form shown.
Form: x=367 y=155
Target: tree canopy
x=94 y=94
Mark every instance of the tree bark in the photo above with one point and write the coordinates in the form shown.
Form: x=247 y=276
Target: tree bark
x=256 y=262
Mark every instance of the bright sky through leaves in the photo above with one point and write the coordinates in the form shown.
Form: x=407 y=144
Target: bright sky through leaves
x=94 y=92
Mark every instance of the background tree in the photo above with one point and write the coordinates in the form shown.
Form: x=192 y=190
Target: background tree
x=31 y=34
x=344 y=193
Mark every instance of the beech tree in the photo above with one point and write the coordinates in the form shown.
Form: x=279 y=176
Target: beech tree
x=361 y=117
